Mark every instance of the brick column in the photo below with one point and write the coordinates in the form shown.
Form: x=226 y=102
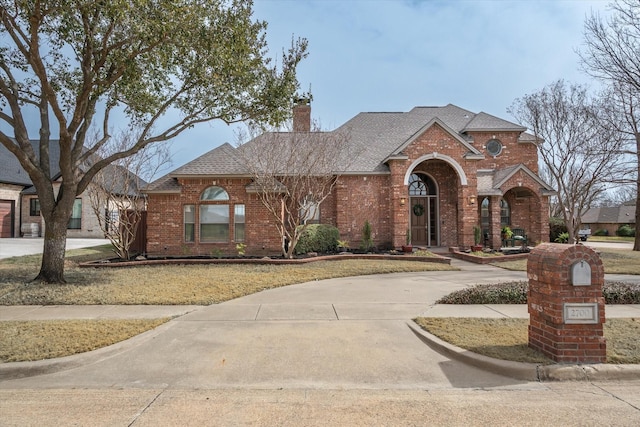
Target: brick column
x=496 y=229
x=399 y=211
x=566 y=306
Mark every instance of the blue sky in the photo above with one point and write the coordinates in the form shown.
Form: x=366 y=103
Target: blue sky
x=393 y=55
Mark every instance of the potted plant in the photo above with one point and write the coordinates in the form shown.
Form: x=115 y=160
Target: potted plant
x=477 y=238
x=408 y=247
x=506 y=232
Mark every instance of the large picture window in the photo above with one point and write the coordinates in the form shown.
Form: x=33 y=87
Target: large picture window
x=189 y=223
x=214 y=223
x=75 y=223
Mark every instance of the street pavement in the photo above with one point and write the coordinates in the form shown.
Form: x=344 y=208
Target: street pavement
x=31 y=246
x=330 y=352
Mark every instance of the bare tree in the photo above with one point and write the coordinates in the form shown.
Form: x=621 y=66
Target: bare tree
x=293 y=173
x=115 y=192
x=580 y=156
x=612 y=54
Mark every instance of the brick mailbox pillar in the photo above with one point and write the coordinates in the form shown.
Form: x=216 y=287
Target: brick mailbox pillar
x=566 y=306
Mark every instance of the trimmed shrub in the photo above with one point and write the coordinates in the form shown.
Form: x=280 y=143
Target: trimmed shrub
x=601 y=232
x=556 y=228
x=319 y=238
x=626 y=230
x=516 y=293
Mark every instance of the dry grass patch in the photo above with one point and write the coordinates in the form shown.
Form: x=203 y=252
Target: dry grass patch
x=615 y=261
x=507 y=339
x=37 y=340
x=182 y=284
x=620 y=261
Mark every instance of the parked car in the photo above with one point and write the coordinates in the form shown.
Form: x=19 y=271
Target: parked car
x=584 y=234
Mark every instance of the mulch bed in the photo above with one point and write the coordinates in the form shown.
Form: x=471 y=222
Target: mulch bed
x=264 y=260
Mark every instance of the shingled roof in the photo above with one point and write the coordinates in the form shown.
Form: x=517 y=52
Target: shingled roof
x=623 y=214
x=12 y=172
x=375 y=136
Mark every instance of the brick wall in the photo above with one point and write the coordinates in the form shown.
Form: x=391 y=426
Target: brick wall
x=359 y=199
x=165 y=229
x=513 y=152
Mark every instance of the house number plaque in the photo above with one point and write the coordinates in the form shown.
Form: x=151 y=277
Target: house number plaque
x=580 y=313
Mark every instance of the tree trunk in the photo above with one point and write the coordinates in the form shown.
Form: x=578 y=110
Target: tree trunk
x=55 y=241
x=636 y=243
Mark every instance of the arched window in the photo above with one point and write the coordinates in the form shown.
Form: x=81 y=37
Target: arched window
x=214 y=217
x=505 y=213
x=421 y=185
x=215 y=194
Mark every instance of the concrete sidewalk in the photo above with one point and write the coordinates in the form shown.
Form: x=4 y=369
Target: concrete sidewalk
x=284 y=311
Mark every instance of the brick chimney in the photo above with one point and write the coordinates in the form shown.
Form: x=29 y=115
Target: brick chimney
x=302 y=115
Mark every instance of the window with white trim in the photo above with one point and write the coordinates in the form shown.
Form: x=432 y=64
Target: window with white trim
x=238 y=223
x=189 y=215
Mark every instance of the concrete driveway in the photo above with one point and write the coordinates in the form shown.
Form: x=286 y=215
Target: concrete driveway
x=340 y=333
x=31 y=246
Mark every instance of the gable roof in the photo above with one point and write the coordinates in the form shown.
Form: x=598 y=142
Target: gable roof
x=12 y=172
x=375 y=136
x=490 y=181
x=623 y=214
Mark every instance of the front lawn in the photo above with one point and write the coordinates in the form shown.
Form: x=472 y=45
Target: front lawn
x=508 y=339
x=175 y=284
x=615 y=261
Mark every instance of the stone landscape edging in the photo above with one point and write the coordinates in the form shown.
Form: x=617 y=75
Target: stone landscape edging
x=194 y=261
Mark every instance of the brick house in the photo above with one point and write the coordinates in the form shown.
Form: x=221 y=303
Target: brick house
x=610 y=218
x=438 y=171
x=20 y=208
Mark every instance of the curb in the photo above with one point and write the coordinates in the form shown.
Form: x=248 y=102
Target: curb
x=18 y=370
x=529 y=371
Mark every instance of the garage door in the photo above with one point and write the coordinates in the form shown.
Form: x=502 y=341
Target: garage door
x=6 y=218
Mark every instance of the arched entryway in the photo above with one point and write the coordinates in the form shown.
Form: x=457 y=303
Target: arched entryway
x=423 y=206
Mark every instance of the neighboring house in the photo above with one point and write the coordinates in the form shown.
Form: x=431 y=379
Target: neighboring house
x=610 y=218
x=20 y=208
x=438 y=171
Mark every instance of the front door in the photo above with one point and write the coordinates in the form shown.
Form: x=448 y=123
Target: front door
x=423 y=206
x=419 y=220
